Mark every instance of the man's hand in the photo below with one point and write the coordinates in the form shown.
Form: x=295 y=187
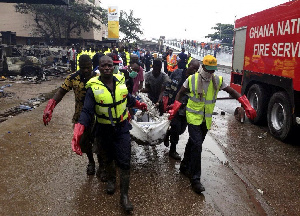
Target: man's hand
x=141 y=106
x=174 y=109
x=78 y=131
x=250 y=112
x=48 y=111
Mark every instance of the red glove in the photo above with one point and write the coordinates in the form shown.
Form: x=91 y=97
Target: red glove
x=48 y=111
x=78 y=131
x=174 y=109
x=141 y=106
x=165 y=100
x=170 y=107
x=250 y=112
x=129 y=116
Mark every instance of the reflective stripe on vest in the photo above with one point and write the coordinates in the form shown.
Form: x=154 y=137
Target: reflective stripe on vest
x=189 y=60
x=109 y=110
x=197 y=109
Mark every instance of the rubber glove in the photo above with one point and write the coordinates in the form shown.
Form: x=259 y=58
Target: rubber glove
x=165 y=100
x=250 y=112
x=78 y=131
x=129 y=117
x=141 y=106
x=48 y=111
x=174 y=109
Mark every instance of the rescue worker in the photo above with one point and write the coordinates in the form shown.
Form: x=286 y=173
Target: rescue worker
x=189 y=59
x=108 y=99
x=203 y=88
x=171 y=62
x=127 y=56
x=77 y=81
x=178 y=123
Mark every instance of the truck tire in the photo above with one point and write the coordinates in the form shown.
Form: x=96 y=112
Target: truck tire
x=257 y=97
x=280 y=116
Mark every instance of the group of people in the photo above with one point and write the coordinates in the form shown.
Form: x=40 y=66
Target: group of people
x=102 y=112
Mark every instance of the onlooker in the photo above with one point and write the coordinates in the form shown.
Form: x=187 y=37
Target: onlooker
x=155 y=82
x=182 y=59
x=147 y=60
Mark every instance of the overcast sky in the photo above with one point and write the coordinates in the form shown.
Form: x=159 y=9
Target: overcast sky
x=188 y=19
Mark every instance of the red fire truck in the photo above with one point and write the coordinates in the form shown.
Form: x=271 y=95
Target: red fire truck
x=266 y=66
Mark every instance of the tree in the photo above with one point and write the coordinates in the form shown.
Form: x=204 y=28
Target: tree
x=58 y=23
x=129 y=26
x=223 y=32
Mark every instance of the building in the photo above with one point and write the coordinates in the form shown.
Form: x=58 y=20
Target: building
x=21 y=25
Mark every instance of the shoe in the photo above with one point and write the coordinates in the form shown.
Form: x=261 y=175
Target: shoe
x=101 y=174
x=90 y=169
x=111 y=187
x=197 y=187
x=174 y=155
x=166 y=141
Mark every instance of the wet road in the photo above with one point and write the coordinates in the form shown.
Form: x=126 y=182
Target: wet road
x=245 y=172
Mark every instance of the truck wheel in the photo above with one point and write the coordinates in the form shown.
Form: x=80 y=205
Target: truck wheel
x=280 y=115
x=257 y=98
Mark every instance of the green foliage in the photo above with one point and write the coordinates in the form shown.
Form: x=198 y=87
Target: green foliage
x=130 y=26
x=223 y=32
x=58 y=22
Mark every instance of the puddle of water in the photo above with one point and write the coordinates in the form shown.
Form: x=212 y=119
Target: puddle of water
x=211 y=145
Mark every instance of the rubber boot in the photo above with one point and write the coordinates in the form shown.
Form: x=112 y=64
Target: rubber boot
x=124 y=187
x=172 y=153
x=101 y=172
x=111 y=178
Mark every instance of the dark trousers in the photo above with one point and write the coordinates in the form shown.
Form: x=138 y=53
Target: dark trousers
x=193 y=149
x=115 y=145
x=178 y=126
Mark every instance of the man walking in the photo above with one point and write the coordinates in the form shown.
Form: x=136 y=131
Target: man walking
x=182 y=59
x=77 y=81
x=107 y=98
x=202 y=88
x=178 y=123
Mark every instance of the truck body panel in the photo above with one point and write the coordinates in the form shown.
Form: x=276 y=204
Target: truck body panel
x=266 y=55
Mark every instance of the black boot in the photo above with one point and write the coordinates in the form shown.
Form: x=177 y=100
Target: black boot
x=101 y=172
x=111 y=178
x=166 y=139
x=124 y=187
x=173 y=154
x=197 y=186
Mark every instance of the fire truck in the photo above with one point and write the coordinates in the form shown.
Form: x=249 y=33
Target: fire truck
x=266 y=66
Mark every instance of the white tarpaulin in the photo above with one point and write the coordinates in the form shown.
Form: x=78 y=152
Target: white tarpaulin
x=149 y=128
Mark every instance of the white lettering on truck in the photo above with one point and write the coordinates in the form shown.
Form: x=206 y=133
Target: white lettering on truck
x=285 y=27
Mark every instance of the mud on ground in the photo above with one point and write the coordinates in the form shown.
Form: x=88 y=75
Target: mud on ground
x=23 y=95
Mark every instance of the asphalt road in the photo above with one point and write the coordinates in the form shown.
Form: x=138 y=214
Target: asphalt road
x=245 y=171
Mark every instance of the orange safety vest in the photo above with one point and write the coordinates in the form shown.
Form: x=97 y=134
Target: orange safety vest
x=172 y=63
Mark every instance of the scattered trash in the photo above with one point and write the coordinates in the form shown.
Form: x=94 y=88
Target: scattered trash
x=222 y=113
x=239 y=114
x=24 y=107
x=264 y=135
x=260 y=191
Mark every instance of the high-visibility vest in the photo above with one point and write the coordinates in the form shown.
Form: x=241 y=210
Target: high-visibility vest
x=196 y=108
x=172 y=63
x=77 y=59
x=188 y=61
x=108 y=110
x=127 y=58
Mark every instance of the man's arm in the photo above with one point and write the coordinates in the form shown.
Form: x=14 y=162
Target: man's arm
x=233 y=93
x=181 y=93
x=146 y=89
x=59 y=95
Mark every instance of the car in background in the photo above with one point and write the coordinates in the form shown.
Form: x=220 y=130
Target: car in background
x=13 y=63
